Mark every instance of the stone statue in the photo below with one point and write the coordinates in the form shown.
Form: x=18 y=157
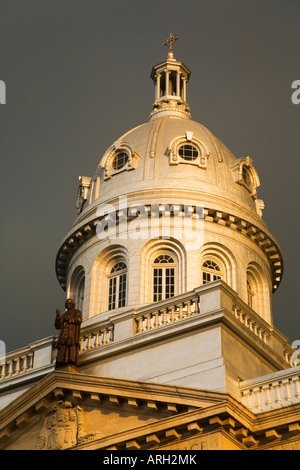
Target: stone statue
x=69 y=336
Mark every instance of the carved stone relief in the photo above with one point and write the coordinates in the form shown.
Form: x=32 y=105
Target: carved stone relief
x=64 y=427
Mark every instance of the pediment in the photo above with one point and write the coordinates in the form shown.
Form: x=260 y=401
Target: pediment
x=67 y=410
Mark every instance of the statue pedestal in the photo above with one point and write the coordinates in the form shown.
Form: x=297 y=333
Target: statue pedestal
x=68 y=368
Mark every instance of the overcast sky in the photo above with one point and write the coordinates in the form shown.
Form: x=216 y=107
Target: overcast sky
x=77 y=75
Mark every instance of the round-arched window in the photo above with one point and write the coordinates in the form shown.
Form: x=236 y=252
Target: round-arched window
x=120 y=160
x=164 y=277
x=117 y=287
x=210 y=271
x=188 y=152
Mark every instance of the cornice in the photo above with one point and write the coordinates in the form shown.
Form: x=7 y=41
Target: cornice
x=262 y=238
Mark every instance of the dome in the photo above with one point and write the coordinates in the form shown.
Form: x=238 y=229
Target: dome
x=169 y=166
x=183 y=159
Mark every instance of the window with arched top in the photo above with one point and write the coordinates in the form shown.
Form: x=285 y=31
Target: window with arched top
x=117 y=286
x=80 y=294
x=250 y=293
x=77 y=286
x=211 y=271
x=164 y=268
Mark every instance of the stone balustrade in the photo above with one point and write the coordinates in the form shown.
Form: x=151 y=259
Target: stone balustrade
x=165 y=312
x=13 y=365
x=113 y=332
x=251 y=321
x=95 y=338
x=272 y=391
x=37 y=356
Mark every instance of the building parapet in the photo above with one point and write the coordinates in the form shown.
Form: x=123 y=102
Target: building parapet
x=271 y=391
x=114 y=332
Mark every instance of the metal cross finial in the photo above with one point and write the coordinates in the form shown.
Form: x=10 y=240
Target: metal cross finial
x=170 y=41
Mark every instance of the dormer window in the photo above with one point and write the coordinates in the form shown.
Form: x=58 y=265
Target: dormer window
x=245 y=174
x=188 y=152
x=188 y=149
x=120 y=160
x=120 y=157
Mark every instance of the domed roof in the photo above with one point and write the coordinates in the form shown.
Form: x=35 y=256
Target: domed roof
x=172 y=159
x=172 y=152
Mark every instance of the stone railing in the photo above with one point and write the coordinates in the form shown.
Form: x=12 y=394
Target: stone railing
x=165 y=312
x=13 y=365
x=41 y=354
x=94 y=338
x=272 y=391
x=37 y=355
x=117 y=329
x=251 y=321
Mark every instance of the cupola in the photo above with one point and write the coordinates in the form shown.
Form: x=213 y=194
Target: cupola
x=170 y=78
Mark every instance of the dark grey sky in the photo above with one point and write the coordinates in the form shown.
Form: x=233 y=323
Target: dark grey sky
x=77 y=74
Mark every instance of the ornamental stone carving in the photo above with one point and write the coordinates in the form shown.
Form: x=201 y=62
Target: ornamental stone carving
x=64 y=427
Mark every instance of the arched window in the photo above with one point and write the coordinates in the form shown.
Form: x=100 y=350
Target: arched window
x=164 y=277
x=250 y=293
x=210 y=271
x=117 y=280
x=77 y=285
x=80 y=294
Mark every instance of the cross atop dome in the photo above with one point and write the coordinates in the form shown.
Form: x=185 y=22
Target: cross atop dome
x=169 y=42
x=170 y=78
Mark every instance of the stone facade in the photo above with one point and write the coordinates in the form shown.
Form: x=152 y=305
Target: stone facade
x=174 y=268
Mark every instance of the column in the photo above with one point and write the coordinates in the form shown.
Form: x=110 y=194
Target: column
x=184 y=89
x=158 y=87
x=167 y=82
x=178 y=84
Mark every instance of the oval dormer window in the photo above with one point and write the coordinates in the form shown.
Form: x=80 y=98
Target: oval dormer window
x=120 y=160
x=247 y=176
x=188 y=152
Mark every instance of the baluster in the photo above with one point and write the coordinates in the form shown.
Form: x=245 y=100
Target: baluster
x=257 y=393
x=235 y=311
x=247 y=396
x=17 y=368
x=3 y=371
x=266 y=389
x=173 y=318
x=188 y=311
x=296 y=381
x=82 y=343
x=288 y=395
x=148 y=322
x=30 y=361
x=156 y=321
x=24 y=365
x=180 y=316
x=140 y=328
x=104 y=338
x=165 y=318
x=110 y=334
x=276 y=386
x=89 y=341
x=97 y=340
x=10 y=368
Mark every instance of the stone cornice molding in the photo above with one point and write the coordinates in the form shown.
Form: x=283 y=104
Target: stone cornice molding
x=260 y=237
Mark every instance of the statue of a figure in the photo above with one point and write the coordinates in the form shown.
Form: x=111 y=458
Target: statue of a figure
x=69 y=336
